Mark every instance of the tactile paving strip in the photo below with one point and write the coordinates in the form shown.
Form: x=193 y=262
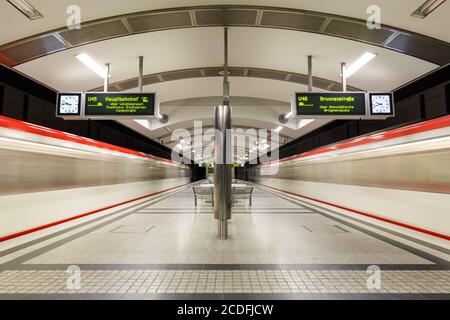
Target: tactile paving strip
x=224 y=281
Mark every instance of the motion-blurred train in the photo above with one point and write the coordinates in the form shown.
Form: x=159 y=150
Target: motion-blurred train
x=397 y=179
x=34 y=158
x=416 y=157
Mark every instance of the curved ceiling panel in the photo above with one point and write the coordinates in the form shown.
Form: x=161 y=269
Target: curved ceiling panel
x=396 y=13
x=392 y=38
x=256 y=48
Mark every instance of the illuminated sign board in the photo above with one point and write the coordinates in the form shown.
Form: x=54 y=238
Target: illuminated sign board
x=106 y=105
x=330 y=104
x=132 y=105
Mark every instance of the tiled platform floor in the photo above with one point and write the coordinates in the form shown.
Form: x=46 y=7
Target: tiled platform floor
x=222 y=281
x=272 y=231
x=168 y=246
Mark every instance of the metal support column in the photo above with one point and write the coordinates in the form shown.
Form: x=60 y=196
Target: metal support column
x=344 y=79
x=222 y=166
x=106 y=80
x=310 y=76
x=226 y=84
x=141 y=72
x=222 y=170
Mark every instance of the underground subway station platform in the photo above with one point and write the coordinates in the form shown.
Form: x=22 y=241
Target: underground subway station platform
x=224 y=159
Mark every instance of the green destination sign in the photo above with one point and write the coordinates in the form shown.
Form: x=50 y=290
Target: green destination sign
x=330 y=104
x=119 y=104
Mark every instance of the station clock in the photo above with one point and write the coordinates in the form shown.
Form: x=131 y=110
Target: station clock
x=381 y=104
x=69 y=104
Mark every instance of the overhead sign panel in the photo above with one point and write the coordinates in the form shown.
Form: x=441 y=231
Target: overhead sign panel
x=330 y=104
x=106 y=105
x=101 y=104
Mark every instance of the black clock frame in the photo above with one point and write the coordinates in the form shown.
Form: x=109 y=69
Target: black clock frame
x=391 y=102
x=58 y=103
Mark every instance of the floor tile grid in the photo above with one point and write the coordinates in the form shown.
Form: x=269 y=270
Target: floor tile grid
x=223 y=281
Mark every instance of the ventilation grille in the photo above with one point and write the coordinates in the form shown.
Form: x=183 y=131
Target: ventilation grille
x=31 y=49
x=267 y=74
x=359 y=31
x=289 y=20
x=213 y=72
x=150 y=80
x=177 y=75
x=336 y=87
x=218 y=72
x=160 y=21
x=321 y=83
x=129 y=84
x=112 y=87
x=226 y=17
x=237 y=72
x=95 y=32
x=437 y=51
x=301 y=79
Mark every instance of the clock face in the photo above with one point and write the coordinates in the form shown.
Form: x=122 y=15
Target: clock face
x=381 y=104
x=69 y=104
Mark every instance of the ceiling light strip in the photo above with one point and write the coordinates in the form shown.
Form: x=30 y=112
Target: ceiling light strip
x=92 y=64
x=27 y=9
x=358 y=64
x=426 y=8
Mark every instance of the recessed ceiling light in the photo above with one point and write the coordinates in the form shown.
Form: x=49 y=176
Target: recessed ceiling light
x=26 y=8
x=92 y=64
x=426 y=8
x=358 y=64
